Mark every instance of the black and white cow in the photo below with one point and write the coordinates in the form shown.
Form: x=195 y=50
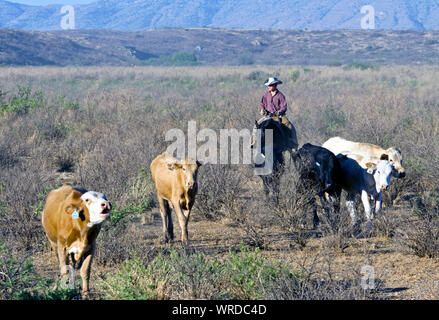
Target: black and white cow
x=321 y=166
x=371 y=181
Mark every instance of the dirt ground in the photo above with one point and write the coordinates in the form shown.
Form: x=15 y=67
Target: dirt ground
x=399 y=276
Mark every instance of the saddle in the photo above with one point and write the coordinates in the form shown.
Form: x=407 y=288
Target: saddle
x=270 y=116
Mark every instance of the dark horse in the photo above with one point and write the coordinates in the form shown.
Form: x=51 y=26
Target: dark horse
x=269 y=159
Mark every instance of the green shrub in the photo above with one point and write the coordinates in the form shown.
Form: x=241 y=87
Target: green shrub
x=131 y=282
x=360 y=66
x=20 y=281
x=334 y=64
x=294 y=75
x=183 y=59
x=22 y=102
x=142 y=197
x=183 y=275
x=333 y=120
x=245 y=60
x=248 y=274
x=133 y=209
x=257 y=76
x=176 y=59
x=177 y=274
x=2 y=99
x=66 y=104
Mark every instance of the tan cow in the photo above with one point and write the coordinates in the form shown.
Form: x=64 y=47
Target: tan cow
x=366 y=152
x=72 y=218
x=176 y=184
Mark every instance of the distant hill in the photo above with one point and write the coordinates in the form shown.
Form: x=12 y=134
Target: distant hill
x=189 y=46
x=135 y=15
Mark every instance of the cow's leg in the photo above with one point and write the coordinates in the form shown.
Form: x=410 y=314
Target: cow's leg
x=366 y=204
x=182 y=221
x=165 y=212
x=85 y=271
x=378 y=204
x=187 y=213
x=63 y=259
x=169 y=220
x=350 y=204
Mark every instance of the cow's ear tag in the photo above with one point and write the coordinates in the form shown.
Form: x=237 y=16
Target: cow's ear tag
x=318 y=164
x=370 y=171
x=75 y=214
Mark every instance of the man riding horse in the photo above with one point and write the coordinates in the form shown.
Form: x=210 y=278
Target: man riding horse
x=273 y=108
x=274 y=105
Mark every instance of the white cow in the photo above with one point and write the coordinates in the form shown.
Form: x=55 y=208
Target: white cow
x=370 y=181
x=364 y=153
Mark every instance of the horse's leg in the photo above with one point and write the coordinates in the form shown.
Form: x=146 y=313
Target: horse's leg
x=265 y=183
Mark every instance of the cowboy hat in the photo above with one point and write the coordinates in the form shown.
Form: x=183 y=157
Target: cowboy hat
x=272 y=81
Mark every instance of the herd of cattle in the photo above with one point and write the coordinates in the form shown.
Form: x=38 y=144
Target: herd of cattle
x=357 y=168
x=72 y=217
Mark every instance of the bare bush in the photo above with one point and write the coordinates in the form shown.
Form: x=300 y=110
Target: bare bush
x=22 y=199
x=295 y=206
x=421 y=235
x=220 y=186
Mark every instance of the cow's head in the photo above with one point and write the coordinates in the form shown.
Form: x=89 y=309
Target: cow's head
x=382 y=172
x=326 y=171
x=98 y=206
x=91 y=204
x=395 y=158
x=187 y=169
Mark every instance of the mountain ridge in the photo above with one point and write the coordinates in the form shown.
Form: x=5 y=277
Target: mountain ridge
x=136 y=15
x=208 y=46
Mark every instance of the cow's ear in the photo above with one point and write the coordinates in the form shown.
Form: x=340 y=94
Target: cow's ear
x=199 y=164
x=341 y=156
x=371 y=166
x=170 y=162
x=74 y=202
x=174 y=165
x=384 y=157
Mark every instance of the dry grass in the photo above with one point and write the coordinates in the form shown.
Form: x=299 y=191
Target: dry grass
x=101 y=127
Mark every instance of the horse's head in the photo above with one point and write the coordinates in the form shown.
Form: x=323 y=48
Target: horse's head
x=274 y=124
x=274 y=140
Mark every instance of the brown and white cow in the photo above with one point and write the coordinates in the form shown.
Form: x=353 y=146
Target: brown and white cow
x=176 y=184
x=365 y=153
x=72 y=218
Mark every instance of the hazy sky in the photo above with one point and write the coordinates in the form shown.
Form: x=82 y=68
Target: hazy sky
x=45 y=2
